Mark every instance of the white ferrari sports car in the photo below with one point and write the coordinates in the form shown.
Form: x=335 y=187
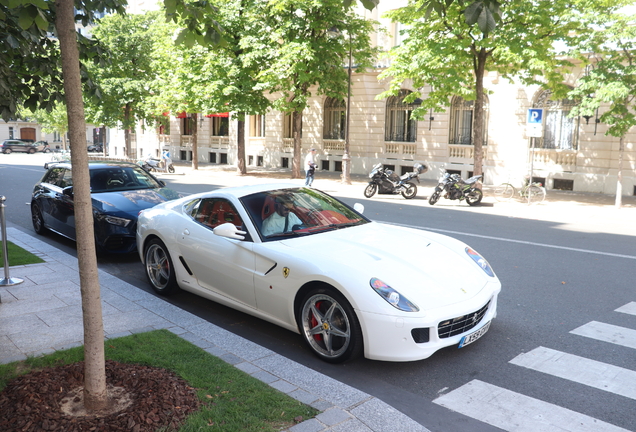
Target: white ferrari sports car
x=306 y=261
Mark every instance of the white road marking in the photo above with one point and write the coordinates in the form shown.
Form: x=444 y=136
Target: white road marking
x=592 y=373
x=529 y=243
x=607 y=333
x=515 y=412
x=629 y=308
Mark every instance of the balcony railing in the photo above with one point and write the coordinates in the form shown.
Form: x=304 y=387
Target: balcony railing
x=401 y=148
x=333 y=145
x=461 y=153
x=222 y=142
x=566 y=159
x=185 y=141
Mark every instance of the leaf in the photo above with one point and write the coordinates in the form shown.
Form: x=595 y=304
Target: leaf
x=25 y=19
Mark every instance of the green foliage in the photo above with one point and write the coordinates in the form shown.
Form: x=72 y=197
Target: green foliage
x=610 y=78
x=55 y=120
x=231 y=400
x=29 y=57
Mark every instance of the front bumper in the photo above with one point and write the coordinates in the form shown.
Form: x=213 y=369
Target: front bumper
x=401 y=339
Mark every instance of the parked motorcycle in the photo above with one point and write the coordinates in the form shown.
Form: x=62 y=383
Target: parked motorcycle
x=456 y=188
x=151 y=164
x=385 y=181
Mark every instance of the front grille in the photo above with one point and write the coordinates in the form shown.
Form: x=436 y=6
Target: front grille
x=453 y=327
x=420 y=335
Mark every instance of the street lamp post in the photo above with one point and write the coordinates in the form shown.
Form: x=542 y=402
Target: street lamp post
x=346 y=158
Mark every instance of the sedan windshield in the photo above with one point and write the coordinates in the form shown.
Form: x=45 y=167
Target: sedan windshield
x=295 y=212
x=120 y=178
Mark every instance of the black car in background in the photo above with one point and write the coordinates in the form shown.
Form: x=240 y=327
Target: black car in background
x=119 y=191
x=15 y=145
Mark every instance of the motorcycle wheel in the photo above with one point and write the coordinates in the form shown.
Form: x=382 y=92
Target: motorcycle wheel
x=434 y=197
x=410 y=191
x=370 y=190
x=474 y=197
x=171 y=169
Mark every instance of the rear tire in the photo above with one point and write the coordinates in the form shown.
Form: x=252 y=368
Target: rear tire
x=370 y=190
x=37 y=219
x=474 y=197
x=536 y=194
x=171 y=169
x=434 y=197
x=31 y=151
x=330 y=326
x=159 y=268
x=410 y=191
x=7 y=151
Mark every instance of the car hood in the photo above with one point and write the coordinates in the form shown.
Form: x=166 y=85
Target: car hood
x=431 y=270
x=133 y=201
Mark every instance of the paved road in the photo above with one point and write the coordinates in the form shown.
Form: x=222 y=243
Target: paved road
x=560 y=355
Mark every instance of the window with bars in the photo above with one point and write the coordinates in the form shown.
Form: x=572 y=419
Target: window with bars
x=461 y=121
x=187 y=126
x=559 y=130
x=257 y=125
x=335 y=119
x=219 y=126
x=399 y=126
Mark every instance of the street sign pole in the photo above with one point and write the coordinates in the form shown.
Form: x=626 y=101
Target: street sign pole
x=534 y=130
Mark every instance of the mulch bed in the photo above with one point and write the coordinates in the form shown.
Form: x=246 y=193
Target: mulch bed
x=159 y=399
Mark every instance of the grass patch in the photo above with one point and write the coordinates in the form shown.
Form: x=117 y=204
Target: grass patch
x=231 y=400
x=18 y=256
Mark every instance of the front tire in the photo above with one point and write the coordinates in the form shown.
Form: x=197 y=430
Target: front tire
x=504 y=192
x=410 y=191
x=536 y=193
x=434 y=197
x=37 y=219
x=330 y=326
x=370 y=190
x=159 y=268
x=171 y=169
x=474 y=197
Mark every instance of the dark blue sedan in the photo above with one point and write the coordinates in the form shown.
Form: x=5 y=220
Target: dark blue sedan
x=119 y=191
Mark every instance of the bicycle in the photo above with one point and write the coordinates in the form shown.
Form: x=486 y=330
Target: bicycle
x=531 y=192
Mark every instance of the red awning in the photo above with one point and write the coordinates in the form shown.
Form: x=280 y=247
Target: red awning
x=182 y=114
x=227 y=114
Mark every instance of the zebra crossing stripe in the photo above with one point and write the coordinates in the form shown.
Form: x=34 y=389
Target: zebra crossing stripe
x=592 y=373
x=514 y=412
x=629 y=308
x=607 y=333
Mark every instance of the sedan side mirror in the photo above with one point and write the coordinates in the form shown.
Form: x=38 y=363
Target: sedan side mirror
x=358 y=207
x=229 y=230
x=68 y=191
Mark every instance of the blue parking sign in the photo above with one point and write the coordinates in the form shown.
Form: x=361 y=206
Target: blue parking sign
x=535 y=116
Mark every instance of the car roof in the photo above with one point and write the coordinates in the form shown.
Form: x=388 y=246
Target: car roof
x=241 y=191
x=93 y=164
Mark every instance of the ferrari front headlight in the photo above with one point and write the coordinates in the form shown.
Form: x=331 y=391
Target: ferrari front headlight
x=392 y=297
x=481 y=261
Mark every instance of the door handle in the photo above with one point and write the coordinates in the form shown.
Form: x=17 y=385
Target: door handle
x=186 y=232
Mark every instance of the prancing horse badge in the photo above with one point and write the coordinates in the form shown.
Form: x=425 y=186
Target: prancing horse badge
x=285 y=272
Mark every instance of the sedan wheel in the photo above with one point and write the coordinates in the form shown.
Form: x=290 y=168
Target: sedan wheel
x=37 y=219
x=330 y=326
x=7 y=151
x=159 y=268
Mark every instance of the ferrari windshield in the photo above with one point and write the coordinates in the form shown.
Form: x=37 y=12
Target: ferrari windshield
x=295 y=212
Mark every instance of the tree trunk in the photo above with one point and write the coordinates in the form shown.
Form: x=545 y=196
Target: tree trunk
x=479 y=119
x=298 y=121
x=195 y=142
x=95 y=395
x=240 y=145
x=619 y=180
x=127 y=143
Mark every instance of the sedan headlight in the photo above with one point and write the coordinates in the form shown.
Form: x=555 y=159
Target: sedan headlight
x=481 y=262
x=114 y=220
x=393 y=297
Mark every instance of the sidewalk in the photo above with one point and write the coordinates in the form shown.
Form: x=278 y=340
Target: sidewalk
x=43 y=314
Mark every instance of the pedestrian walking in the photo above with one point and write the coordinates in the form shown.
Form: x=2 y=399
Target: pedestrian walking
x=310 y=167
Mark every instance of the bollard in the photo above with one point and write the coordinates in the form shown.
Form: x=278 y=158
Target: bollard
x=8 y=280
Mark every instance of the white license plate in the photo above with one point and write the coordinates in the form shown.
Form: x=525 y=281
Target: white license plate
x=470 y=338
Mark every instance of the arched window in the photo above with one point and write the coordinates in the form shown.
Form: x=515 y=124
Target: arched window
x=399 y=126
x=335 y=117
x=559 y=130
x=461 y=121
